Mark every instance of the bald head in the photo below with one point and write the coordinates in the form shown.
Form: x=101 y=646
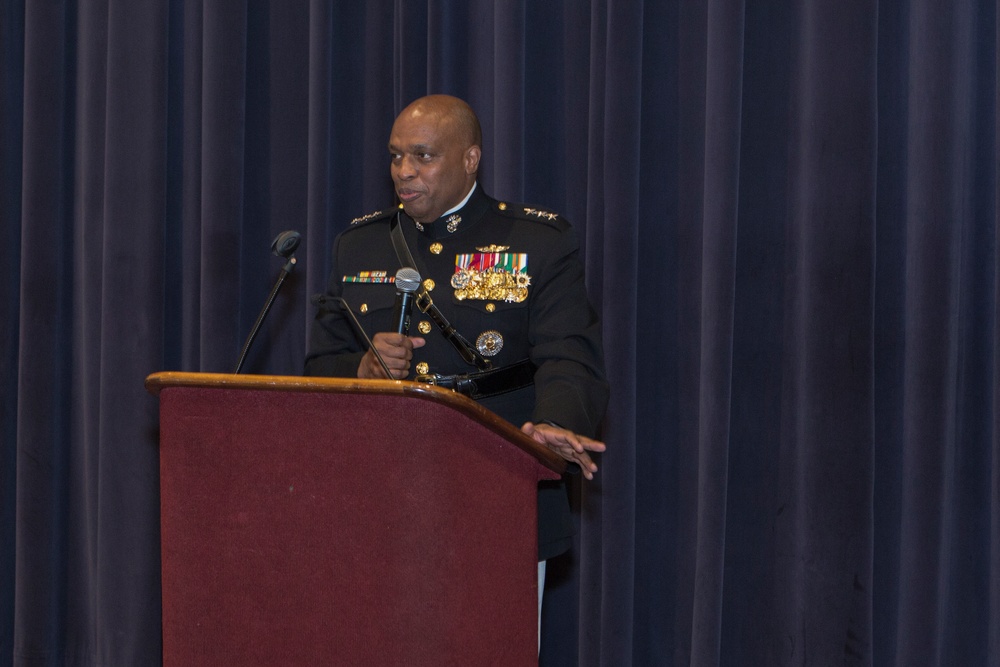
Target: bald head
x=456 y=112
x=435 y=147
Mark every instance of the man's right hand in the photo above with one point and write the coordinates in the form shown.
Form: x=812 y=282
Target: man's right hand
x=396 y=350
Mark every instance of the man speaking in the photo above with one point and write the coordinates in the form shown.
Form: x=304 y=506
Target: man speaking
x=510 y=326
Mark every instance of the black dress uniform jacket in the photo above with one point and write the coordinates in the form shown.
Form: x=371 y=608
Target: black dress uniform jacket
x=509 y=279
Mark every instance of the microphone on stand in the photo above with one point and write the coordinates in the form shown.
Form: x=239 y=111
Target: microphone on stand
x=284 y=245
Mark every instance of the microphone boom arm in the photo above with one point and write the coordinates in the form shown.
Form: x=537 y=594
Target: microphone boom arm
x=284 y=245
x=263 y=313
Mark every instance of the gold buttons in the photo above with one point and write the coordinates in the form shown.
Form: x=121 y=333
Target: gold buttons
x=436 y=248
x=424 y=327
x=363 y=308
x=423 y=368
x=429 y=285
x=502 y=206
x=490 y=307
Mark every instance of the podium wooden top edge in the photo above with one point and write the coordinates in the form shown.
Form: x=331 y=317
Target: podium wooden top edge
x=156 y=382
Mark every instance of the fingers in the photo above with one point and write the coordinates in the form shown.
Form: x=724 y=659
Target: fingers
x=554 y=435
x=396 y=351
x=571 y=446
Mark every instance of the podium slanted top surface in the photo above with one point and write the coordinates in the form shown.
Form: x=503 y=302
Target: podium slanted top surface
x=157 y=382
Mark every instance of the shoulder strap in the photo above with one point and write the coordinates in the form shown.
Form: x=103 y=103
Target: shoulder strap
x=399 y=244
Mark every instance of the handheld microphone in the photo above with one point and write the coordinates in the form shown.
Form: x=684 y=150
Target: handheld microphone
x=407 y=282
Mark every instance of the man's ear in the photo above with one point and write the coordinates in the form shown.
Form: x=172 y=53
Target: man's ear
x=472 y=155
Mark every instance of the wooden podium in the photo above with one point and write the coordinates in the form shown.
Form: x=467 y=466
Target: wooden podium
x=318 y=521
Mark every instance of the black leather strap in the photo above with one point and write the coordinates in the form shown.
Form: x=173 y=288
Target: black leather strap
x=487 y=383
x=399 y=244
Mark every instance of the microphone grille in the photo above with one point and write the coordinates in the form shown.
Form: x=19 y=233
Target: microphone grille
x=407 y=279
x=286 y=243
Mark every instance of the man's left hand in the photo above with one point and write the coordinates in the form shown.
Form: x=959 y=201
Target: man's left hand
x=567 y=444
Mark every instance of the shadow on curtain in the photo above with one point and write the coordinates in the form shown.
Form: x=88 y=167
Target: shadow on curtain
x=789 y=220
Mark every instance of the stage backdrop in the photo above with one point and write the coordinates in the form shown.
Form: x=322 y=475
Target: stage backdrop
x=788 y=214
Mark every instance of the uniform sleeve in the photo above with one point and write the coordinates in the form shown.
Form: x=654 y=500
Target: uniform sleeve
x=571 y=388
x=335 y=349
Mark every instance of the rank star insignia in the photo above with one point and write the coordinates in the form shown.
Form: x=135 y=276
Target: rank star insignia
x=453 y=221
x=366 y=218
x=541 y=214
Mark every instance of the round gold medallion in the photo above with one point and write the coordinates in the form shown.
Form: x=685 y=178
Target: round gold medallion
x=422 y=368
x=489 y=343
x=429 y=285
x=424 y=327
x=490 y=307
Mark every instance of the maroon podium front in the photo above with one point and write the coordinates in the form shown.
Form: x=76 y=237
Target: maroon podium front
x=316 y=521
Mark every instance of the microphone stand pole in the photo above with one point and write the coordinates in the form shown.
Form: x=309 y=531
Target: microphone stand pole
x=289 y=265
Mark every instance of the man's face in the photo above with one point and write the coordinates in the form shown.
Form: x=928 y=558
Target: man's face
x=433 y=166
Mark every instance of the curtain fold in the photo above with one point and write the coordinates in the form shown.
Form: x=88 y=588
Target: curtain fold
x=788 y=216
x=40 y=631
x=948 y=328
x=823 y=511
x=11 y=122
x=712 y=284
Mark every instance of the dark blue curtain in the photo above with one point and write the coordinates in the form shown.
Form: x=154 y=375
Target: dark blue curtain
x=788 y=213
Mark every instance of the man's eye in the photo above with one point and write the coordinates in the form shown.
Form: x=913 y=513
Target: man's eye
x=424 y=156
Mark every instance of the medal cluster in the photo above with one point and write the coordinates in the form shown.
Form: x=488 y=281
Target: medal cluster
x=494 y=284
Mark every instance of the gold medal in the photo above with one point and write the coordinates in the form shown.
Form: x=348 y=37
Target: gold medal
x=491 y=276
x=489 y=343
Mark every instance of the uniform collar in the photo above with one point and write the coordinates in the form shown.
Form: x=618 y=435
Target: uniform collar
x=456 y=221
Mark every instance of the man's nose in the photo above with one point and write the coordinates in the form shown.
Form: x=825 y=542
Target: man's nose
x=406 y=169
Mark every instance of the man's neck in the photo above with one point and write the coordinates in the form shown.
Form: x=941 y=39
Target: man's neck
x=463 y=202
